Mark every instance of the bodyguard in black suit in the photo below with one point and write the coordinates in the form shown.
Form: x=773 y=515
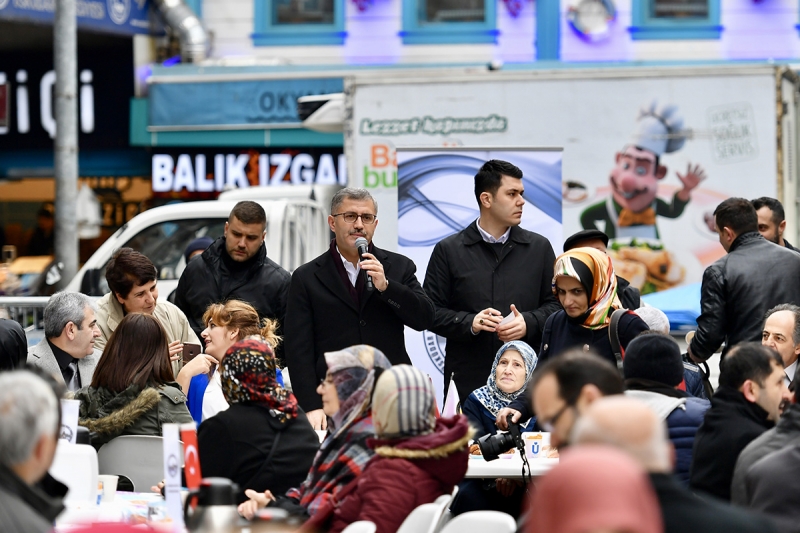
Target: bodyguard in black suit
x=331 y=307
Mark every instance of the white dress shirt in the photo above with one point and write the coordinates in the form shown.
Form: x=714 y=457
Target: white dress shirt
x=789 y=371
x=489 y=238
x=351 y=269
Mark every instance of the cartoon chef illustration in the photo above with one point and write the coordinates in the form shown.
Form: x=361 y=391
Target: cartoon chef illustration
x=631 y=209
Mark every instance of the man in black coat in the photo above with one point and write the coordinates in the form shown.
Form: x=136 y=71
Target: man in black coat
x=633 y=427
x=739 y=288
x=629 y=296
x=333 y=304
x=747 y=403
x=488 y=270
x=235 y=267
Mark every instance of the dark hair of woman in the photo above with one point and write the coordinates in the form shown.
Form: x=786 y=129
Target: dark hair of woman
x=136 y=354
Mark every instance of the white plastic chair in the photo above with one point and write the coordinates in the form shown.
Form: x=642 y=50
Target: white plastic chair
x=140 y=458
x=420 y=519
x=426 y=517
x=362 y=526
x=446 y=514
x=481 y=522
x=75 y=465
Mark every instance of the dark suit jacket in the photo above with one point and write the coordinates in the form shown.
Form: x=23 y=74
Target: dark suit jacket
x=684 y=512
x=321 y=316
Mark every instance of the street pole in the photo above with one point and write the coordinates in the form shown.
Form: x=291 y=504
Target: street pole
x=65 y=44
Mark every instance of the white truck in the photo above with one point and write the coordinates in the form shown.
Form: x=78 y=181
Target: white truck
x=297 y=232
x=737 y=126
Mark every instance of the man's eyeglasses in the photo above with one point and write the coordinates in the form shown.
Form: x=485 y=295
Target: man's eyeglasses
x=350 y=217
x=547 y=427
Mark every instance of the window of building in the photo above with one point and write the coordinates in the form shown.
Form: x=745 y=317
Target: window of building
x=449 y=21
x=298 y=22
x=676 y=19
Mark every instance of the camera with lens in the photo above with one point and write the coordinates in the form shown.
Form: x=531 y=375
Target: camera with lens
x=493 y=445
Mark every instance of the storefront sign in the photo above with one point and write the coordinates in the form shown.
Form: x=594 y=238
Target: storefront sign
x=213 y=172
x=242 y=103
x=104 y=85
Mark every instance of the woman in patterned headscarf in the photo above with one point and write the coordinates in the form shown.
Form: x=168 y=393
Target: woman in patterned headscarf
x=511 y=372
x=263 y=441
x=347 y=401
x=585 y=284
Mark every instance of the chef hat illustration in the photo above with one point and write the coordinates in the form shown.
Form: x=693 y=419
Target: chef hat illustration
x=660 y=129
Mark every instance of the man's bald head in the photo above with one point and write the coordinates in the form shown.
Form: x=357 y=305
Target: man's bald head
x=629 y=425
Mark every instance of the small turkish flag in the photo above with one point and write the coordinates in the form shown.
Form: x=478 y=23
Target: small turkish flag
x=191 y=459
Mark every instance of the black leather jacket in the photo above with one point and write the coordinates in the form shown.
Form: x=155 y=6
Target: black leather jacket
x=740 y=288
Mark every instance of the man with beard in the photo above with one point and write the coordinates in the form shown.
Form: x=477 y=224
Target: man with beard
x=771 y=220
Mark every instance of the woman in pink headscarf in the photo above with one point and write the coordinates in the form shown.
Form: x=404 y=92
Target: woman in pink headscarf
x=595 y=489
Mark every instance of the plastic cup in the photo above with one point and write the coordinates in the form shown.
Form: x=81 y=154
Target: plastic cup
x=535 y=444
x=109 y=487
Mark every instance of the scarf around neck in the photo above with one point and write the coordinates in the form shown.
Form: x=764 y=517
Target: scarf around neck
x=594 y=271
x=344 y=454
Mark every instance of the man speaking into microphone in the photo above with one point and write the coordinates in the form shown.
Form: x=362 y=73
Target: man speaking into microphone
x=355 y=293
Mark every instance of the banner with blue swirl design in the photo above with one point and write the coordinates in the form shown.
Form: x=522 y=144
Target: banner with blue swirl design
x=436 y=198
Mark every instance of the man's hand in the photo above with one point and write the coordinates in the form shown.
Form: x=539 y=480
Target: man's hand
x=258 y=500
x=514 y=330
x=374 y=268
x=317 y=419
x=506 y=487
x=696 y=360
x=486 y=320
x=692 y=178
x=501 y=421
x=175 y=350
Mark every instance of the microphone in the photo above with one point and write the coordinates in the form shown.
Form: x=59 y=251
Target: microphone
x=362 y=245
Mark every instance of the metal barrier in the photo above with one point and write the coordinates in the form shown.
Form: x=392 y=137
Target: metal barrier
x=27 y=310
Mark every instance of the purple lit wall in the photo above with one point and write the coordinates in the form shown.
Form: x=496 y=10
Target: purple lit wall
x=760 y=30
x=616 y=47
x=515 y=44
x=372 y=35
x=752 y=29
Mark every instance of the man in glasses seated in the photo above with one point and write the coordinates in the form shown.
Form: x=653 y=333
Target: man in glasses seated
x=345 y=297
x=565 y=386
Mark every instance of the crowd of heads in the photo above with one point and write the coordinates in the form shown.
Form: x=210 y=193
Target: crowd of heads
x=577 y=396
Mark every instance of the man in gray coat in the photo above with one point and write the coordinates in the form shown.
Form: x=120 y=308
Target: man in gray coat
x=29 y=423
x=70 y=330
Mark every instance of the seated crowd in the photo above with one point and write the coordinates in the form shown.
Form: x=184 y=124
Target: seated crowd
x=642 y=449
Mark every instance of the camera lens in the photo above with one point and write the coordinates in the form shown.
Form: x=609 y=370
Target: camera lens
x=493 y=445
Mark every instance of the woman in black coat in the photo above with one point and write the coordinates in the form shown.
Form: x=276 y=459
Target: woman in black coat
x=263 y=441
x=585 y=284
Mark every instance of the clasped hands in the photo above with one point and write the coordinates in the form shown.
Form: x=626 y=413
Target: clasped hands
x=489 y=320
